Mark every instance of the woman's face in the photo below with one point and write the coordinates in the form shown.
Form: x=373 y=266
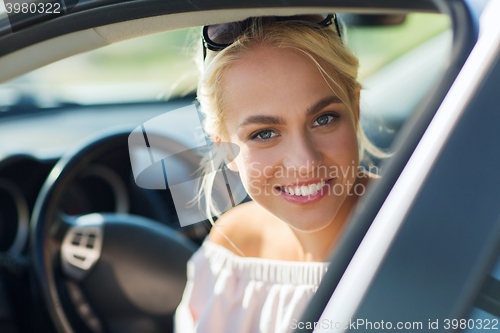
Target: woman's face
x=298 y=146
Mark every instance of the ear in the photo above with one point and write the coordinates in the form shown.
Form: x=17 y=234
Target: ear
x=228 y=158
x=216 y=139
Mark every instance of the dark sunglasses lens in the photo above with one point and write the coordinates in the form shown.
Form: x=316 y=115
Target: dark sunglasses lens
x=227 y=33
x=224 y=33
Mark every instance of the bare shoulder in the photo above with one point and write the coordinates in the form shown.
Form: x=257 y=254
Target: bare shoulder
x=240 y=226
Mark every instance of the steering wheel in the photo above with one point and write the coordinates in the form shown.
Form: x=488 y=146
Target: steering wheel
x=123 y=273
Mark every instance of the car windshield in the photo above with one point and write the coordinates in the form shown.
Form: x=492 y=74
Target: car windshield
x=160 y=67
x=401 y=59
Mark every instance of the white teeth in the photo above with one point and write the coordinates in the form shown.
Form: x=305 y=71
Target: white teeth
x=305 y=190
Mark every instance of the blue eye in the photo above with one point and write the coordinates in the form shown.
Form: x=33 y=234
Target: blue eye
x=323 y=120
x=264 y=135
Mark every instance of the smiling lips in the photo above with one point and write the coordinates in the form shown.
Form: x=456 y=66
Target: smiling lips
x=303 y=190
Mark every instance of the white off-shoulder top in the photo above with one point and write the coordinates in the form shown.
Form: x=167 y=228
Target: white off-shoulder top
x=233 y=294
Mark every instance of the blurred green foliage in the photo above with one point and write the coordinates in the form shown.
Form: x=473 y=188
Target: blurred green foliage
x=166 y=61
x=149 y=50
x=172 y=53
x=375 y=46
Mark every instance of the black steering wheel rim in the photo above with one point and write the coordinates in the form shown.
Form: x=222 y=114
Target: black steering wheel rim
x=45 y=254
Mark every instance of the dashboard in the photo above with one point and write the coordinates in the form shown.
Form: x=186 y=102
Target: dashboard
x=105 y=185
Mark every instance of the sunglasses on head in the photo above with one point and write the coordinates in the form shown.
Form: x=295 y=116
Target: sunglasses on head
x=217 y=37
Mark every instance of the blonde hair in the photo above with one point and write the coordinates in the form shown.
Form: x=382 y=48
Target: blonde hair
x=320 y=44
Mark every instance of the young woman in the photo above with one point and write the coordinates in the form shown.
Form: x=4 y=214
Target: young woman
x=284 y=90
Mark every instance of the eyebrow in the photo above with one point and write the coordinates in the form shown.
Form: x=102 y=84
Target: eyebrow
x=321 y=104
x=271 y=120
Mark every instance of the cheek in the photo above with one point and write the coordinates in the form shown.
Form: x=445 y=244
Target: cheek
x=347 y=143
x=340 y=150
x=350 y=161
x=256 y=167
x=350 y=147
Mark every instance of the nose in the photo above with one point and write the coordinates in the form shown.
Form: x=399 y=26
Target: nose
x=303 y=156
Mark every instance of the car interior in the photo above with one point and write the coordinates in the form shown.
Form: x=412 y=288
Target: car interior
x=65 y=127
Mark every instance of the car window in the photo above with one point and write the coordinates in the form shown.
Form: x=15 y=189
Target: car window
x=145 y=69
x=162 y=66
x=136 y=80
x=399 y=64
